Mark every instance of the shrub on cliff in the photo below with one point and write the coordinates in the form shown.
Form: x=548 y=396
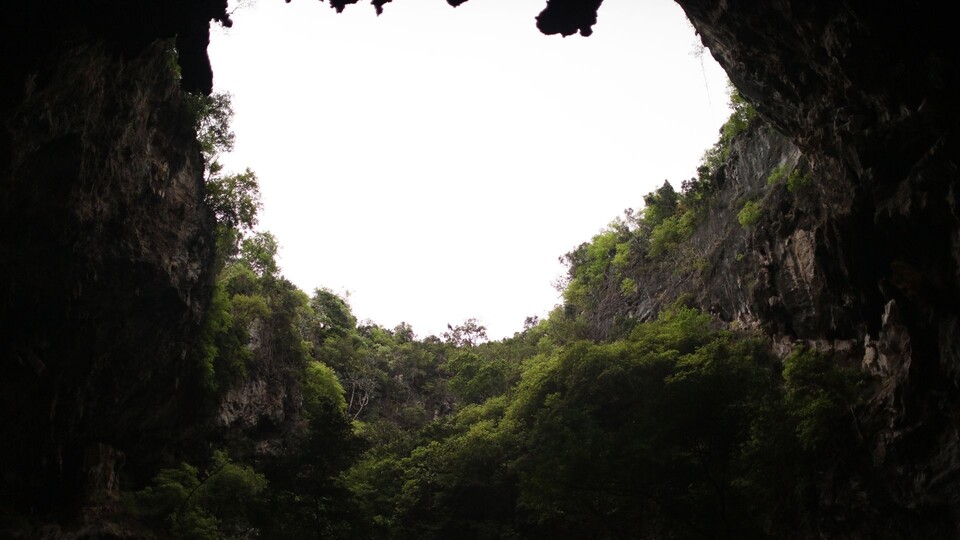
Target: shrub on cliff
x=750 y=214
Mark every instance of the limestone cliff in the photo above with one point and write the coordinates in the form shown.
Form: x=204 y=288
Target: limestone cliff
x=260 y=415
x=108 y=248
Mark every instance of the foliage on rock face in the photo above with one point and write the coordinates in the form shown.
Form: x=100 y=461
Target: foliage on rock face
x=743 y=114
x=741 y=117
x=794 y=178
x=750 y=214
x=221 y=346
x=654 y=235
x=258 y=317
x=321 y=390
x=619 y=431
x=660 y=205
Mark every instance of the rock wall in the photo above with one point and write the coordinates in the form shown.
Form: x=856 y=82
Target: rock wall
x=260 y=416
x=865 y=91
x=108 y=246
x=108 y=249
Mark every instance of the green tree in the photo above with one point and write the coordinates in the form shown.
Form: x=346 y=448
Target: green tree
x=260 y=253
x=235 y=199
x=333 y=313
x=468 y=334
x=211 y=505
x=660 y=204
x=476 y=378
x=643 y=437
x=213 y=114
x=821 y=395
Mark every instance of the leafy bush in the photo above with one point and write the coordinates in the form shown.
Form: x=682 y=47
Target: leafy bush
x=212 y=505
x=796 y=180
x=670 y=233
x=592 y=263
x=220 y=352
x=750 y=214
x=777 y=174
x=743 y=114
x=738 y=122
x=621 y=257
x=702 y=265
x=666 y=410
x=660 y=204
x=322 y=391
x=476 y=378
x=695 y=192
x=820 y=394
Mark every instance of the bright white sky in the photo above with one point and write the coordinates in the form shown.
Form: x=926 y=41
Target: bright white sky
x=435 y=162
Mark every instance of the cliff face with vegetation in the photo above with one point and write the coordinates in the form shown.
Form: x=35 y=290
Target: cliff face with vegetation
x=780 y=250
x=107 y=241
x=107 y=244
x=864 y=265
x=831 y=222
x=866 y=95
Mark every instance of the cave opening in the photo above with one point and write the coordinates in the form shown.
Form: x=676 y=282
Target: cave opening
x=831 y=248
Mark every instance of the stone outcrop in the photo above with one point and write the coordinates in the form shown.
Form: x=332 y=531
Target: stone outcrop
x=108 y=248
x=260 y=415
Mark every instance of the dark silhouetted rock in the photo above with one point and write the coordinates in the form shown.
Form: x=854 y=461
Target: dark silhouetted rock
x=108 y=249
x=567 y=17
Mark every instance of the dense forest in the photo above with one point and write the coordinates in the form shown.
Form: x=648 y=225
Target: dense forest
x=679 y=426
